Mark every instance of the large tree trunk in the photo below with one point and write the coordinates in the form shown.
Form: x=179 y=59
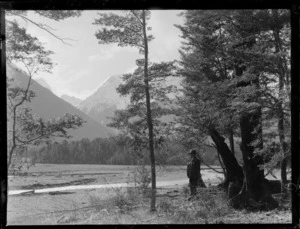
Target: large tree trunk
x=255 y=192
x=149 y=119
x=234 y=172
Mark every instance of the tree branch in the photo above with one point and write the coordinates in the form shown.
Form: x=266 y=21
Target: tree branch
x=135 y=32
x=43 y=27
x=132 y=11
x=26 y=142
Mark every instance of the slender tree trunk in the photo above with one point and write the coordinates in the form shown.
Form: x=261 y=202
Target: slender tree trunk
x=282 y=75
x=149 y=119
x=222 y=166
x=231 y=140
x=283 y=149
x=224 y=170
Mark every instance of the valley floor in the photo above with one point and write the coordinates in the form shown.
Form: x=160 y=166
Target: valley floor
x=122 y=205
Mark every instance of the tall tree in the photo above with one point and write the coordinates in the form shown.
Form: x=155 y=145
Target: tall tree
x=24 y=127
x=260 y=63
x=130 y=29
x=207 y=72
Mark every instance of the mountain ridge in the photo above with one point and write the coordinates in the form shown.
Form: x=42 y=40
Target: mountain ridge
x=47 y=105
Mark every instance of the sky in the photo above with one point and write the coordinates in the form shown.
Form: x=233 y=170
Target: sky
x=83 y=66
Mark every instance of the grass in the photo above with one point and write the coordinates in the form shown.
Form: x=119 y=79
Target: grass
x=208 y=205
x=131 y=206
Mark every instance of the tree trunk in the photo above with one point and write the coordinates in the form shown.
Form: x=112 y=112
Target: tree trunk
x=255 y=191
x=222 y=165
x=283 y=149
x=282 y=75
x=231 y=140
x=149 y=119
x=234 y=172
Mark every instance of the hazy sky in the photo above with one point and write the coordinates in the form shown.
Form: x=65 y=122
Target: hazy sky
x=84 y=66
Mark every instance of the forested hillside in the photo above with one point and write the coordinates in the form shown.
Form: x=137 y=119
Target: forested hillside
x=112 y=150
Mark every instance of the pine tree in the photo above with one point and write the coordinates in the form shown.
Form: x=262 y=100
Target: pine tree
x=131 y=29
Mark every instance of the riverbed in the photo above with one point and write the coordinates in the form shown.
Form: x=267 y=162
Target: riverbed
x=46 y=191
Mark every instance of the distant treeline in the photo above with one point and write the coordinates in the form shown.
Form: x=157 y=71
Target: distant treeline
x=112 y=150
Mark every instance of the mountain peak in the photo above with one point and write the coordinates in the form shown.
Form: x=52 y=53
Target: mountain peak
x=105 y=100
x=114 y=80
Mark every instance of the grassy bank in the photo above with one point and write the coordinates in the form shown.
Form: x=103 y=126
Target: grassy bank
x=131 y=206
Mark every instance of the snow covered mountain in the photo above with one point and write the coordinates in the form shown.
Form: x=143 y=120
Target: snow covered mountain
x=102 y=104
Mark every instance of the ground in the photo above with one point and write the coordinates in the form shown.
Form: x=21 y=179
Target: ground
x=113 y=205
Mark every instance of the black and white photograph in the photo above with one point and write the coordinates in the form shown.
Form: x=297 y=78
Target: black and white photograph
x=148 y=116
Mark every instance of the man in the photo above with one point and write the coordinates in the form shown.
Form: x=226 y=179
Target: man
x=193 y=172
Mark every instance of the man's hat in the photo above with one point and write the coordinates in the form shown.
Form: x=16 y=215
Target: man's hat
x=193 y=151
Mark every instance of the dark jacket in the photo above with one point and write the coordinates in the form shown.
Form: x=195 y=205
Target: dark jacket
x=193 y=169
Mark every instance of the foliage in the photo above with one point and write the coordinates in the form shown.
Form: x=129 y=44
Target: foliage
x=133 y=119
x=205 y=66
x=59 y=15
x=56 y=15
x=142 y=179
x=125 y=29
x=27 y=51
x=220 y=45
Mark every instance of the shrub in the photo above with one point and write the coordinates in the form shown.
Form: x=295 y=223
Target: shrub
x=142 y=179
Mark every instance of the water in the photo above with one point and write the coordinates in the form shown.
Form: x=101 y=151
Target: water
x=81 y=187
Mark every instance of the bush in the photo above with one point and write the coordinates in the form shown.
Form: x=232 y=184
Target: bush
x=142 y=179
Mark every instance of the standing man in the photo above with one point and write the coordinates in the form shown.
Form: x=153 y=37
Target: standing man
x=193 y=172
